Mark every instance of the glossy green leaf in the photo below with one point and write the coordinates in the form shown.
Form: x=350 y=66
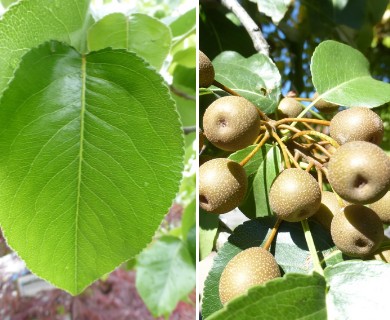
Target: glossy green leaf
x=261 y=171
x=275 y=9
x=208 y=227
x=294 y=296
x=341 y=75
x=29 y=23
x=358 y=290
x=140 y=33
x=165 y=275
x=290 y=251
x=191 y=243
x=88 y=167
x=250 y=77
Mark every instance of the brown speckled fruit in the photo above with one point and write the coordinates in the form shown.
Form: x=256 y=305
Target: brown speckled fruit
x=206 y=71
x=251 y=267
x=222 y=185
x=289 y=108
x=382 y=208
x=357 y=124
x=324 y=106
x=359 y=172
x=231 y=123
x=328 y=208
x=294 y=195
x=357 y=231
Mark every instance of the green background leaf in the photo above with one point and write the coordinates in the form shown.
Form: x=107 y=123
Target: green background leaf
x=290 y=251
x=165 y=274
x=139 y=33
x=341 y=75
x=294 y=296
x=247 y=76
x=275 y=9
x=208 y=227
x=88 y=167
x=358 y=290
x=29 y=23
x=261 y=173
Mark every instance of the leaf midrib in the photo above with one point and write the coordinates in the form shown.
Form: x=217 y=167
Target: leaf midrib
x=82 y=114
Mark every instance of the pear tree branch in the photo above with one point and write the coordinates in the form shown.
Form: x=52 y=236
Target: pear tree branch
x=251 y=27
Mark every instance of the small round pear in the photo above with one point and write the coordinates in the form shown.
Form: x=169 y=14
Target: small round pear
x=289 y=108
x=359 y=172
x=231 y=123
x=251 y=267
x=294 y=195
x=357 y=124
x=206 y=71
x=357 y=231
x=324 y=106
x=382 y=208
x=222 y=185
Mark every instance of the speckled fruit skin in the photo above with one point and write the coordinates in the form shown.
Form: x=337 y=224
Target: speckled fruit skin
x=324 y=106
x=294 y=195
x=359 y=172
x=382 y=208
x=328 y=208
x=206 y=71
x=357 y=124
x=289 y=108
x=231 y=123
x=249 y=268
x=357 y=231
x=222 y=185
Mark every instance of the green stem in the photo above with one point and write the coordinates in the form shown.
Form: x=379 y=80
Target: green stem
x=312 y=247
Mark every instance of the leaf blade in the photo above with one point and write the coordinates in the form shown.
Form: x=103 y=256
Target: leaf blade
x=77 y=137
x=346 y=80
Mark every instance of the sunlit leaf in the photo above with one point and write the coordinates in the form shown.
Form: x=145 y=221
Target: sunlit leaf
x=88 y=166
x=144 y=35
x=341 y=75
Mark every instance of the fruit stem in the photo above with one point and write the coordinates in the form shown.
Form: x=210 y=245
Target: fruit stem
x=318 y=134
x=283 y=148
x=253 y=152
x=320 y=178
x=303 y=99
x=224 y=88
x=312 y=248
x=307 y=120
x=272 y=235
x=310 y=165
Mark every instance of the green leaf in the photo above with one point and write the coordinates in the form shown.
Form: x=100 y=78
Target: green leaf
x=88 y=166
x=29 y=23
x=208 y=227
x=294 y=296
x=249 y=76
x=165 y=275
x=358 y=290
x=260 y=174
x=290 y=251
x=144 y=35
x=275 y=9
x=184 y=24
x=341 y=75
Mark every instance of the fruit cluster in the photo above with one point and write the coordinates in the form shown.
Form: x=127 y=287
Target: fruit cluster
x=342 y=155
